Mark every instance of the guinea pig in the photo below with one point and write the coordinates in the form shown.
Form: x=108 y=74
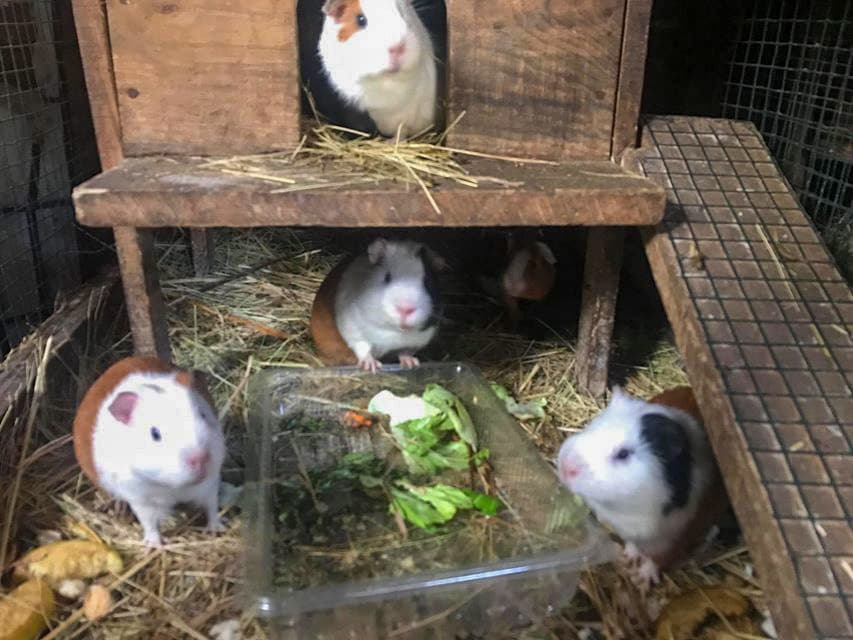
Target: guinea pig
x=379 y=56
x=529 y=275
x=146 y=433
x=646 y=470
x=380 y=302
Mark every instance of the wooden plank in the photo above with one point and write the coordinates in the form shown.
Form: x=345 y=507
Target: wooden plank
x=202 y=249
x=145 y=306
x=598 y=307
x=534 y=78
x=206 y=76
x=154 y=192
x=762 y=318
x=91 y=22
x=632 y=66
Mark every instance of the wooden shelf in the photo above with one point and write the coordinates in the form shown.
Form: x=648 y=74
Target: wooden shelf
x=175 y=191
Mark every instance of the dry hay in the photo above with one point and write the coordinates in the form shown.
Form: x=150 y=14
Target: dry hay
x=330 y=156
x=244 y=317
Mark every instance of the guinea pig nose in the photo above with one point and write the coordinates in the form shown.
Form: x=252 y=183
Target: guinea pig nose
x=397 y=50
x=405 y=310
x=569 y=469
x=197 y=460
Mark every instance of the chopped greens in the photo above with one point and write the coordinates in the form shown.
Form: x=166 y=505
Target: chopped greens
x=532 y=410
x=437 y=504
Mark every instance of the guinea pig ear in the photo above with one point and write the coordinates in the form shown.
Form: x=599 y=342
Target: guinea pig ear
x=123 y=405
x=335 y=8
x=377 y=249
x=546 y=253
x=434 y=260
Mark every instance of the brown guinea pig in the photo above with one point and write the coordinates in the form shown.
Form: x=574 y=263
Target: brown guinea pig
x=146 y=432
x=529 y=275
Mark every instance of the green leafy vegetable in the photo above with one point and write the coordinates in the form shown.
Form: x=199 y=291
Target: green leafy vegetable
x=532 y=410
x=437 y=504
x=454 y=410
x=483 y=503
x=416 y=511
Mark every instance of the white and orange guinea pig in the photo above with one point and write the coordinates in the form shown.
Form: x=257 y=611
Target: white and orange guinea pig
x=647 y=471
x=146 y=433
x=377 y=303
x=379 y=57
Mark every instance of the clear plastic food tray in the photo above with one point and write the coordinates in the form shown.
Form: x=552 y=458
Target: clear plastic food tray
x=442 y=586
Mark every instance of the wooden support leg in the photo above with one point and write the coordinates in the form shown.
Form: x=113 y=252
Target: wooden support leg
x=142 y=293
x=202 y=246
x=598 y=306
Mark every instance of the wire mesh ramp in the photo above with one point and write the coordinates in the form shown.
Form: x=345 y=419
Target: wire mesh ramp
x=763 y=319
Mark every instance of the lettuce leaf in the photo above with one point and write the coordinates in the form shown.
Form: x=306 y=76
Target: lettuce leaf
x=454 y=410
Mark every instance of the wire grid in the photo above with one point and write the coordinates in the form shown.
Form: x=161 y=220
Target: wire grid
x=46 y=147
x=791 y=76
x=777 y=315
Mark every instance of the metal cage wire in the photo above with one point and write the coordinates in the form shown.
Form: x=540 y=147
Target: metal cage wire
x=790 y=74
x=46 y=147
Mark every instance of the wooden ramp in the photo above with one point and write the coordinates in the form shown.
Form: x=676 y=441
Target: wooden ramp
x=763 y=319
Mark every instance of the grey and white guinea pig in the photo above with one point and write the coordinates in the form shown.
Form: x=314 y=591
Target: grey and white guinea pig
x=379 y=56
x=146 y=433
x=646 y=469
x=383 y=301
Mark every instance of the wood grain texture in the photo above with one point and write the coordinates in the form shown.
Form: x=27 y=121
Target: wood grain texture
x=632 y=66
x=598 y=307
x=534 y=77
x=90 y=20
x=206 y=76
x=154 y=192
x=145 y=307
x=202 y=250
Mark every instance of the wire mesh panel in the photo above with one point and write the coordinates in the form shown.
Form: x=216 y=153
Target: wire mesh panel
x=46 y=147
x=791 y=75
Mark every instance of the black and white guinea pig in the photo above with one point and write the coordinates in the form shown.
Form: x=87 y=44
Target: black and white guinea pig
x=646 y=470
x=379 y=57
x=379 y=302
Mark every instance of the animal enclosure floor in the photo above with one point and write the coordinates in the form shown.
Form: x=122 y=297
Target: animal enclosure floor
x=249 y=313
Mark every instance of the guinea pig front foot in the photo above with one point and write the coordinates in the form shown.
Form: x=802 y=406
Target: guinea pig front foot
x=149 y=517
x=642 y=570
x=215 y=525
x=408 y=361
x=152 y=539
x=369 y=363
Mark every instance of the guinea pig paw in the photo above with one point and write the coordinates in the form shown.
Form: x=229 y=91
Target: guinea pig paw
x=408 y=361
x=153 y=540
x=215 y=526
x=369 y=363
x=648 y=574
x=632 y=553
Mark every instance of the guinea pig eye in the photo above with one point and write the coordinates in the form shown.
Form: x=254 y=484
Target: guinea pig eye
x=622 y=454
x=361 y=21
x=155 y=434
x=388 y=277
